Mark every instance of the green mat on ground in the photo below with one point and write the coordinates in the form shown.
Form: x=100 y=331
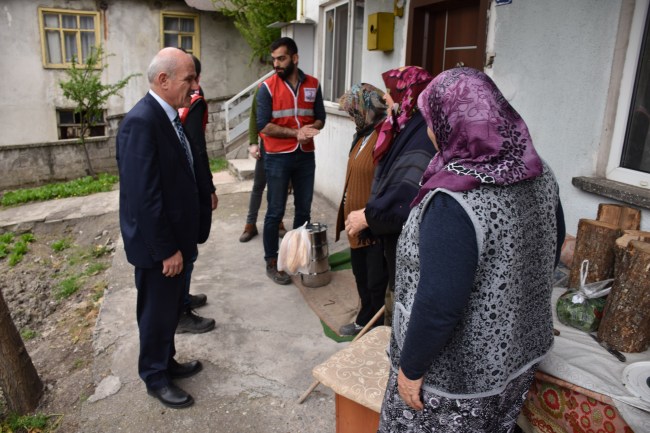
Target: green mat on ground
x=340 y=260
x=334 y=336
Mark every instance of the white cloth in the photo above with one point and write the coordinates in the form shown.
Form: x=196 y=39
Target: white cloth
x=577 y=359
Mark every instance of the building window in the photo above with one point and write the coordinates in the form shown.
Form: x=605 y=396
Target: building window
x=69 y=125
x=67 y=36
x=181 y=30
x=343 y=48
x=629 y=160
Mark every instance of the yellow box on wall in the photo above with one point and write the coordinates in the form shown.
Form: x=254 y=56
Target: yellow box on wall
x=381 y=27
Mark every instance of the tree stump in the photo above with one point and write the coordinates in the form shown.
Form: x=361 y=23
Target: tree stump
x=595 y=242
x=627 y=218
x=21 y=386
x=622 y=243
x=626 y=318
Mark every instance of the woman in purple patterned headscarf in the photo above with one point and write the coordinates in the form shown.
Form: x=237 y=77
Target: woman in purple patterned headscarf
x=475 y=262
x=483 y=140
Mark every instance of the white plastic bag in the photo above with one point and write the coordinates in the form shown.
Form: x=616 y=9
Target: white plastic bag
x=583 y=308
x=597 y=289
x=295 y=251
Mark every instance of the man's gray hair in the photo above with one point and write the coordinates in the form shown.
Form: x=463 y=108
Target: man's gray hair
x=162 y=62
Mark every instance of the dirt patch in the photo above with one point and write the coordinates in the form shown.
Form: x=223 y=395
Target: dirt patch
x=54 y=298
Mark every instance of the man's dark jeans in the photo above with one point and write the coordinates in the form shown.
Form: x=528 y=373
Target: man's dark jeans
x=297 y=167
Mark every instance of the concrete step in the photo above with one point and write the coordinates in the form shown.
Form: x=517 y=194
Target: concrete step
x=242 y=169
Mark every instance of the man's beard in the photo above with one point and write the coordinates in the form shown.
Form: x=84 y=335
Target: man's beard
x=287 y=71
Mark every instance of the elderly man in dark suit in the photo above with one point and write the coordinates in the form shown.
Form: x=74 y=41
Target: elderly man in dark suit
x=159 y=217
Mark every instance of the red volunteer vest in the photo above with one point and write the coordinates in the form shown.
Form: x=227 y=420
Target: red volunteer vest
x=291 y=111
x=183 y=112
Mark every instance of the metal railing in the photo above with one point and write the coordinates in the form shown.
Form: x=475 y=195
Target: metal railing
x=237 y=110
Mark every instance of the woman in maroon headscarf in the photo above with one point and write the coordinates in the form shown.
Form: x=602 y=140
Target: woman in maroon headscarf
x=475 y=262
x=401 y=154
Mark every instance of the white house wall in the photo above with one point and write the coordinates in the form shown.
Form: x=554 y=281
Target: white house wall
x=553 y=60
x=333 y=143
x=31 y=93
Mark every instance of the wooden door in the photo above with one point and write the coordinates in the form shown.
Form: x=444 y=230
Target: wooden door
x=446 y=33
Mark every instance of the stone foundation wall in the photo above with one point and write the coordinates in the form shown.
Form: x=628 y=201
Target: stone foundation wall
x=35 y=164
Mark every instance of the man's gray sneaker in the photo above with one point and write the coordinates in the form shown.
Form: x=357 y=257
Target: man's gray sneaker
x=350 y=329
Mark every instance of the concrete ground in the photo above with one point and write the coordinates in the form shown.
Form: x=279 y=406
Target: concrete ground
x=258 y=360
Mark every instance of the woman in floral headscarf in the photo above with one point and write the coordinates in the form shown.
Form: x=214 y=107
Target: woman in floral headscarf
x=364 y=103
x=475 y=265
x=401 y=154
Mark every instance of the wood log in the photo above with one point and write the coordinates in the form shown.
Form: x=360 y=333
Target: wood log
x=595 y=242
x=626 y=317
x=627 y=218
x=568 y=247
x=622 y=243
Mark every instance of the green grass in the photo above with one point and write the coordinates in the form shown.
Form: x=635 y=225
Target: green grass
x=19 y=423
x=95 y=268
x=98 y=290
x=7 y=238
x=27 y=237
x=61 y=244
x=72 y=283
x=28 y=334
x=74 y=188
x=15 y=258
x=14 y=248
x=218 y=164
x=20 y=247
x=99 y=251
x=68 y=287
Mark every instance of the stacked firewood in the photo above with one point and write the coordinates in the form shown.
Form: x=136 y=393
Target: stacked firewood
x=616 y=248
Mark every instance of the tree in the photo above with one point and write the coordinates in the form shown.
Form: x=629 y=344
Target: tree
x=86 y=90
x=252 y=18
x=21 y=386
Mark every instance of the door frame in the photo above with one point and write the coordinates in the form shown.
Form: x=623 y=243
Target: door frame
x=484 y=8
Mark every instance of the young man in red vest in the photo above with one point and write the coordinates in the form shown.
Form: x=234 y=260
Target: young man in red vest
x=290 y=112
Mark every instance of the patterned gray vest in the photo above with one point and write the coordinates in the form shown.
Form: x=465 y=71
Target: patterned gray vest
x=507 y=325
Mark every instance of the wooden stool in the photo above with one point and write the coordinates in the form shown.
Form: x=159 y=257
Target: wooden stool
x=358 y=375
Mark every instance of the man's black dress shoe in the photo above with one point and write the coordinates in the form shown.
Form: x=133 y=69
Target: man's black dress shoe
x=172 y=396
x=178 y=370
